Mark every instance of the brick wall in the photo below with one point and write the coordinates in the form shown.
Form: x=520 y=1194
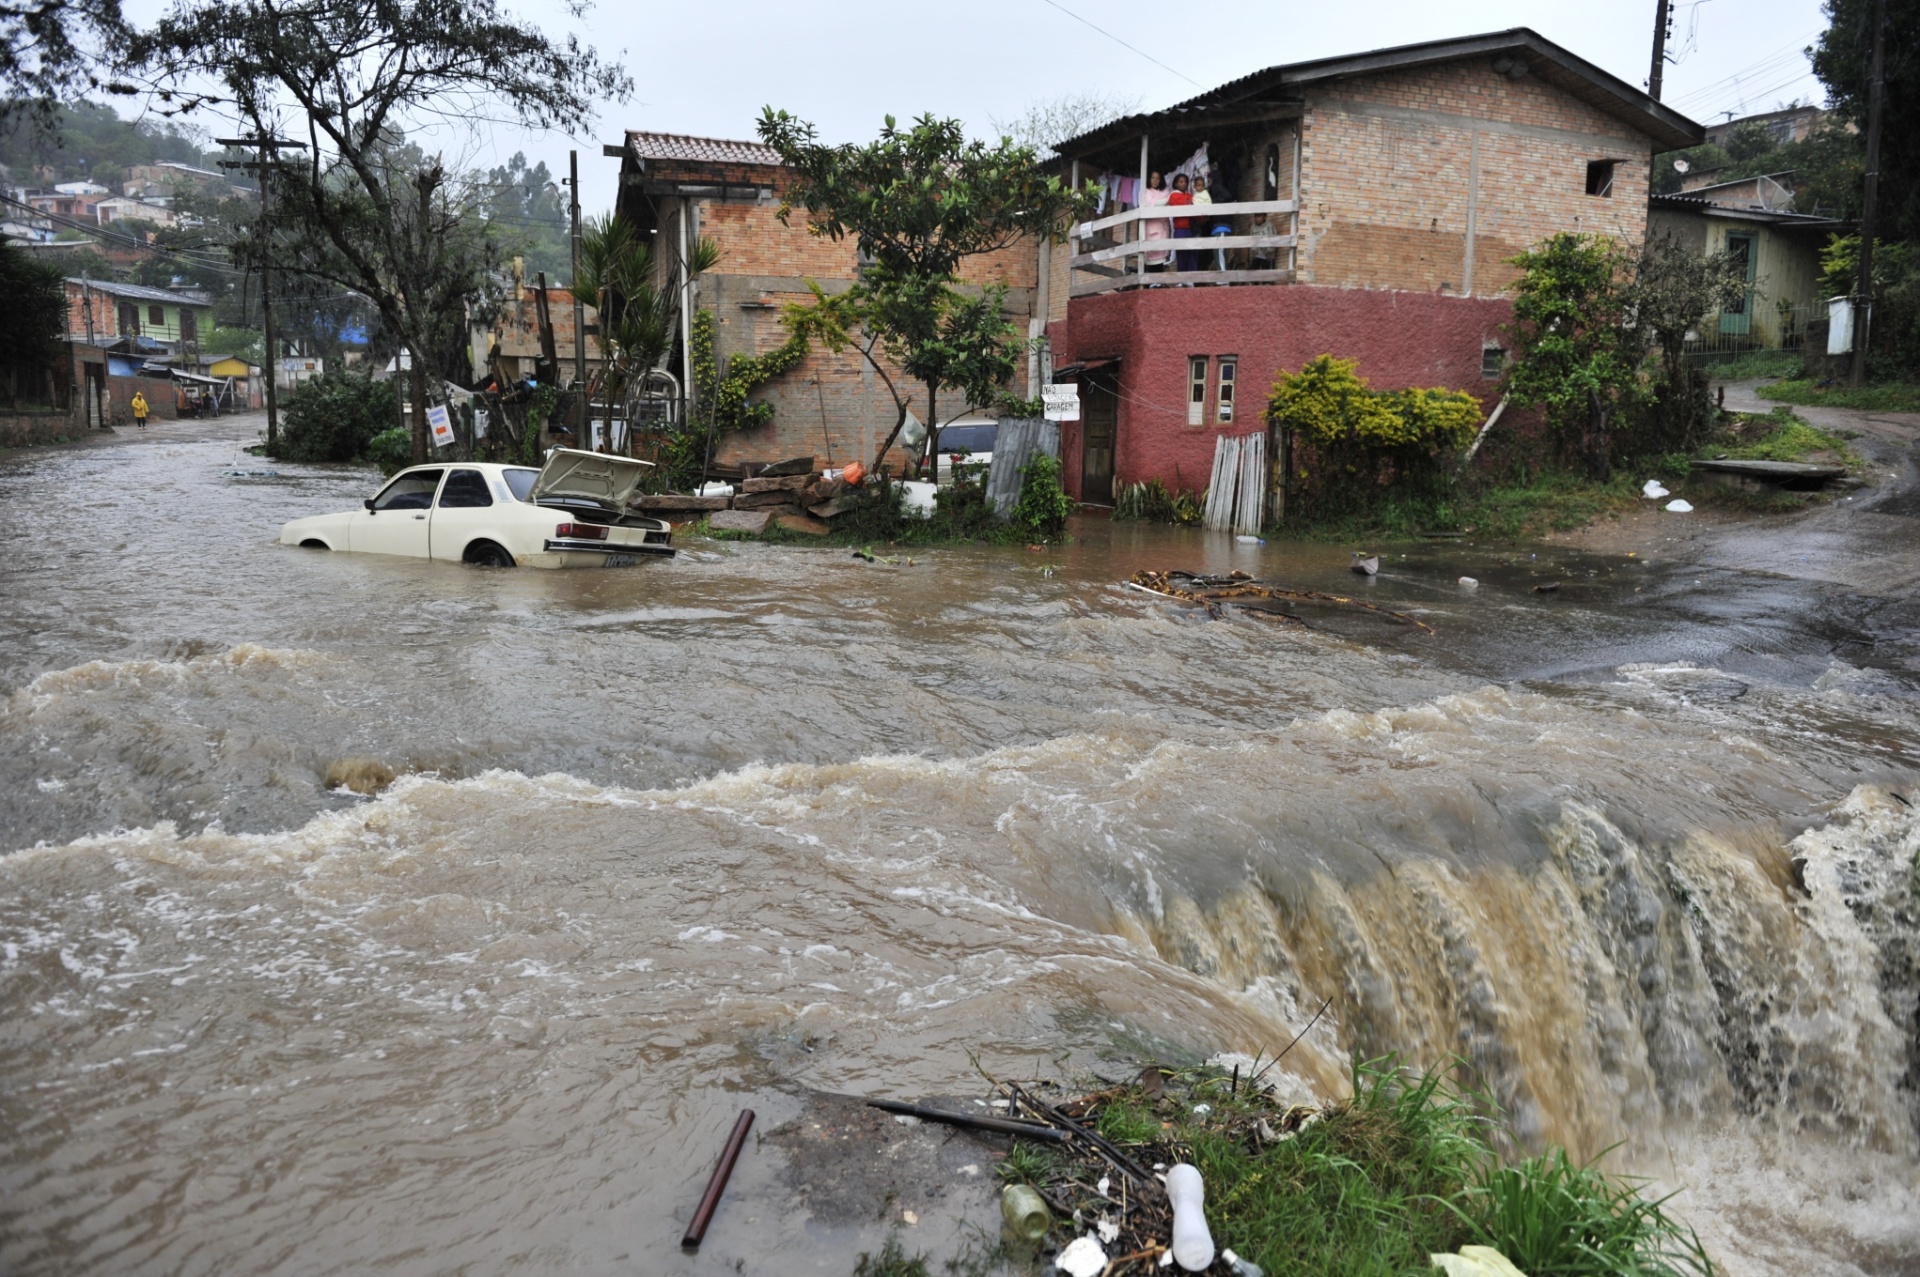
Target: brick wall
x=1395 y=166
x=1400 y=339
x=106 y=314
x=829 y=404
x=29 y=429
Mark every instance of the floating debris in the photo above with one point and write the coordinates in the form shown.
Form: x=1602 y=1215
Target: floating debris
x=1366 y=564
x=1238 y=589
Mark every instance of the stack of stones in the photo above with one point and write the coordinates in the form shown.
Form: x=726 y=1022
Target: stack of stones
x=790 y=494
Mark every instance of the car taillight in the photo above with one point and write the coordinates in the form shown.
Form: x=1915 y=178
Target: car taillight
x=582 y=531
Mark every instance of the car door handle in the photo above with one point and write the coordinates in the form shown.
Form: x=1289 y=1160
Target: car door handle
x=419 y=516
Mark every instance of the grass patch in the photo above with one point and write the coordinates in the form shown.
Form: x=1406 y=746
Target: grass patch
x=1774 y=436
x=1757 y=363
x=1890 y=396
x=1549 y=501
x=1407 y=1168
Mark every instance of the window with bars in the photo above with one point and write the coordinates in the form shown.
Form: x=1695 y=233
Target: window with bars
x=157 y=316
x=1196 y=390
x=1229 y=368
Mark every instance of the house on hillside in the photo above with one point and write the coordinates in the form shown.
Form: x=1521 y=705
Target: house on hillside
x=1790 y=124
x=679 y=189
x=122 y=209
x=1367 y=207
x=149 y=322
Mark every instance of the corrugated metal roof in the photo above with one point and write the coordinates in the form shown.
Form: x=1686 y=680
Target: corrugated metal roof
x=706 y=150
x=139 y=292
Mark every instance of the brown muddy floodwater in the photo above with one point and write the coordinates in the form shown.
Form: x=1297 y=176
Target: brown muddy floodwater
x=760 y=821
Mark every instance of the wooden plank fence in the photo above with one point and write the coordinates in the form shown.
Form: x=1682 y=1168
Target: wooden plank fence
x=1237 y=494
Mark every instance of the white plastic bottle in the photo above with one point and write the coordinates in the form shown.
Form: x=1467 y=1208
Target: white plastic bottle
x=1192 y=1242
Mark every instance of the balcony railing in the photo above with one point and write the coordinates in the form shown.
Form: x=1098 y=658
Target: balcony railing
x=1110 y=252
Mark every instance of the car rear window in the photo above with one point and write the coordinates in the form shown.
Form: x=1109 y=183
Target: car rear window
x=520 y=482
x=976 y=437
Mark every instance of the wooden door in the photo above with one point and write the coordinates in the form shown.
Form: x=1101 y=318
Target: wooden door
x=1737 y=320
x=1098 y=427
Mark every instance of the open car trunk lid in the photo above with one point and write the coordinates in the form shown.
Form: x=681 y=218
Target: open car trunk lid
x=591 y=476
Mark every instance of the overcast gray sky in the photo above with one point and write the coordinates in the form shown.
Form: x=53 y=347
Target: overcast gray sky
x=708 y=68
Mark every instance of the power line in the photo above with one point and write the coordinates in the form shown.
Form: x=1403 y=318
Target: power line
x=1123 y=44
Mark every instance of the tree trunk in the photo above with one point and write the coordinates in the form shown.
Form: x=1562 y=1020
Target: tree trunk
x=1600 y=463
x=418 y=387
x=933 y=433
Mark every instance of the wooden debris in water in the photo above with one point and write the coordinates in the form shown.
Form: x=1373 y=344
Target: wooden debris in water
x=1238 y=589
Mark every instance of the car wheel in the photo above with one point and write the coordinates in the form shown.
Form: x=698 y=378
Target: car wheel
x=311 y=544
x=485 y=554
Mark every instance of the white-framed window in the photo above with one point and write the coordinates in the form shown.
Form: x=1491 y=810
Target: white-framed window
x=1229 y=369
x=1196 y=390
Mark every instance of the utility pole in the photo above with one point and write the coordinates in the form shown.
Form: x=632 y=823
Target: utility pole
x=264 y=146
x=1869 y=197
x=585 y=435
x=1662 y=20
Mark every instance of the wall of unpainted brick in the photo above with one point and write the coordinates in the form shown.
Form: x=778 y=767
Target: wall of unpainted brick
x=829 y=405
x=1400 y=339
x=1391 y=164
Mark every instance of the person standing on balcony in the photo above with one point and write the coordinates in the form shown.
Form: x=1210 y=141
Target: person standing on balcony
x=1154 y=196
x=1181 y=197
x=1208 y=225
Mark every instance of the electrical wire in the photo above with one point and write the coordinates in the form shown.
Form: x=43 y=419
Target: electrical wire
x=1123 y=44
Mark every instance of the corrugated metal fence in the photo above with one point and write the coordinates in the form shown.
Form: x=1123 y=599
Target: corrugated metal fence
x=1015 y=444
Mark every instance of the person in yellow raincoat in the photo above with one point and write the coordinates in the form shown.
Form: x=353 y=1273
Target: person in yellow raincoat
x=139 y=410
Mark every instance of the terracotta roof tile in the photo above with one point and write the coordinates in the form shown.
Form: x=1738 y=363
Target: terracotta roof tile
x=708 y=150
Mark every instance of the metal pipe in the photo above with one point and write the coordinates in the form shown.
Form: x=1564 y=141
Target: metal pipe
x=710 y=1200
x=999 y=1125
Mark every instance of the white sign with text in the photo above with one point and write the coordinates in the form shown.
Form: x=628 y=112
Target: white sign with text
x=441 y=424
x=1062 y=402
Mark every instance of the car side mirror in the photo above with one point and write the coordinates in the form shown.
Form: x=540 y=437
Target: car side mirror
x=368 y=503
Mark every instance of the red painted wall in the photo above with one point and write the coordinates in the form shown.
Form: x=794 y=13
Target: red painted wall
x=1400 y=339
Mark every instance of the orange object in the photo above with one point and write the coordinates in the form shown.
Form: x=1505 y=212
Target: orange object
x=853 y=474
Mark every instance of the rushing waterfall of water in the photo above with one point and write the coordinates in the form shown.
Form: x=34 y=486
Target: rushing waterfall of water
x=768 y=820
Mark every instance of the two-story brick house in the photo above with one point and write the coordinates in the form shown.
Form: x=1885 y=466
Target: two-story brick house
x=680 y=189
x=1370 y=207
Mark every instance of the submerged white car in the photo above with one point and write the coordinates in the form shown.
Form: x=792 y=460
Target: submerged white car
x=572 y=512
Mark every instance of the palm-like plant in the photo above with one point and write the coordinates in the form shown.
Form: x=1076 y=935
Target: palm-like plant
x=638 y=305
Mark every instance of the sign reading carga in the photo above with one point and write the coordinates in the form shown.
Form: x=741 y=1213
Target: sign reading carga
x=441 y=424
x=1062 y=402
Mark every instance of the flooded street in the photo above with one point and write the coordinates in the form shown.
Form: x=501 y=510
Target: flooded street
x=760 y=821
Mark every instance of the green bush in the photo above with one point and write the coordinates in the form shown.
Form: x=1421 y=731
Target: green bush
x=334 y=417
x=1044 y=504
x=391 y=450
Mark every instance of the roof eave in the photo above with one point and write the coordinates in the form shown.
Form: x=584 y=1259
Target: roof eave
x=1665 y=126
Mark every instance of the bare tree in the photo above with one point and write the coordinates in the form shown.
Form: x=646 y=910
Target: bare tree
x=1043 y=126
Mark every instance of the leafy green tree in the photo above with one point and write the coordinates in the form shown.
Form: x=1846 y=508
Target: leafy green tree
x=335 y=417
x=30 y=325
x=1842 y=60
x=1574 y=357
x=918 y=202
x=638 y=308
x=528 y=215
x=349 y=76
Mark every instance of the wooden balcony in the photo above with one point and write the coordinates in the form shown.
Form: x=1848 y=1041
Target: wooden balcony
x=1110 y=252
